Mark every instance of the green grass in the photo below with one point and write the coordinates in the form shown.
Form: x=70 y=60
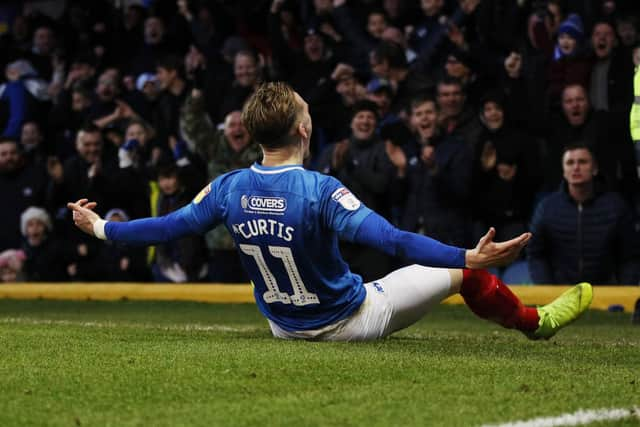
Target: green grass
x=173 y=364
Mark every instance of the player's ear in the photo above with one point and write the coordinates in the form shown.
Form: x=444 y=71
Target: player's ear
x=302 y=130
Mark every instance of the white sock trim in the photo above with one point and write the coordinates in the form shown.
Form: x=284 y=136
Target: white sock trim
x=98 y=229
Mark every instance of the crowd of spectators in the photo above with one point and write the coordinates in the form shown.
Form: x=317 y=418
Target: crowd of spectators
x=445 y=116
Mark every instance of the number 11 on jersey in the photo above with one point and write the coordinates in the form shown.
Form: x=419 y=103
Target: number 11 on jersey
x=301 y=296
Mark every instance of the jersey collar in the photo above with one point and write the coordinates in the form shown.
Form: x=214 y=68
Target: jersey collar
x=269 y=170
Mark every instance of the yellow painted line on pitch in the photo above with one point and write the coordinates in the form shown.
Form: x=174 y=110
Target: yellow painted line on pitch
x=603 y=296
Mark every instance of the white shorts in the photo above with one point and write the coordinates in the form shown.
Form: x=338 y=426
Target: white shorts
x=394 y=302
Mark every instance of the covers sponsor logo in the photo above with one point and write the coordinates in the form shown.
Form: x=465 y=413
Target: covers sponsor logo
x=201 y=195
x=263 y=204
x=346 y=199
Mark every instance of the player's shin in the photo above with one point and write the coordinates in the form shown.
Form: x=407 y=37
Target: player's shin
x=488 y=297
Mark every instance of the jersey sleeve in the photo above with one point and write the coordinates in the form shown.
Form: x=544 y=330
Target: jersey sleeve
x=341 y=210
x=204 y=212
x=207 y=209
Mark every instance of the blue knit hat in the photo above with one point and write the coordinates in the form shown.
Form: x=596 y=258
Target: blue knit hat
x=572 y=26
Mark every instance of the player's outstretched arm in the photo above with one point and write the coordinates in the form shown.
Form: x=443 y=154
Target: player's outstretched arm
x=145 y=231
x=377 y=232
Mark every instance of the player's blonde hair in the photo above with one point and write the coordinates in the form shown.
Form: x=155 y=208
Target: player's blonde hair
x=271 y=113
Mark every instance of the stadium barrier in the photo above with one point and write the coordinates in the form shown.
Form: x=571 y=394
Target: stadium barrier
x=604 y=296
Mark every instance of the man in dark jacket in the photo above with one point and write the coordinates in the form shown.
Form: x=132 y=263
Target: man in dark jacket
x=581 y=233
x=21 y=185
x=438 y=179
x=362 y=165
x=606 y=137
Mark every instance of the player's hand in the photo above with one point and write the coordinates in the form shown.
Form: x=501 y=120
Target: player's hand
x=83 y=215
x=488 y=253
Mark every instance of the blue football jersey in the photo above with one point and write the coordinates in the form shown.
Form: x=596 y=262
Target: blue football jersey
x=286 y=222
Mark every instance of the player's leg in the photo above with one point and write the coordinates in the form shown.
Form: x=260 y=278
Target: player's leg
x=488 y=297
x=413 y=291
x=404 y=296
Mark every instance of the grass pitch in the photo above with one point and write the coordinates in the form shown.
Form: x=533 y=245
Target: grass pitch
x=174 y=364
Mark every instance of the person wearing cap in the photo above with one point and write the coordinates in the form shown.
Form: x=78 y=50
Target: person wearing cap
x=569 y=64
x=45 y=257
x=380 y=92
x=362 y=164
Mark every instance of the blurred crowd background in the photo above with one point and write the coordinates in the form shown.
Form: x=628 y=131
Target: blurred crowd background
x=445 y=116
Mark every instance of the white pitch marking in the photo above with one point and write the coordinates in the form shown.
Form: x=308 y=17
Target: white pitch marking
x=580 y=417
x=186 y=327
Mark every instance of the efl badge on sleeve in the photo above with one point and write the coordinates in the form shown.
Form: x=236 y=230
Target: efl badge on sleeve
x=206 y=190
x=346 y=199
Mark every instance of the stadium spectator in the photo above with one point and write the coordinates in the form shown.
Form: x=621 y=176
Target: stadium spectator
x=33 y=144
x=328 y=302
x=395 y=35
x=569 y=64
x=610 y=143
x=611 y=87
x=457 y=117
x=20 y=96
x=11 y=264
x=44 y=256
x=388 y=61
x=42 y=51
x=183 y=260
x=583 y=232
x=22 y=184
x=627 y=31
x=247 y=73
x=82 y=173
x=360 y=41
x=223 y=150
x=155 y=46
x=438 y=179
x=333 y=106
x=362 y=164
x=174 y=87
x=505 y=179
x=306 y=68
x=120 y=262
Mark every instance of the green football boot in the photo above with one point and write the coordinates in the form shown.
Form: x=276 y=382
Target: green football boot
x=562 y=311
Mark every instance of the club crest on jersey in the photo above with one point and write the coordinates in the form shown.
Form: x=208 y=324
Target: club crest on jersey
x=263 y=204
x=346 y=199
x=201 y=195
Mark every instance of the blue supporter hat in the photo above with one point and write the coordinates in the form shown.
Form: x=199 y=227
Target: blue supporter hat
x=143 y=79
x=378 y=85
x=572 y=26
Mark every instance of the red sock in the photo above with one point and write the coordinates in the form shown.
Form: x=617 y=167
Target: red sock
x=491 y=299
